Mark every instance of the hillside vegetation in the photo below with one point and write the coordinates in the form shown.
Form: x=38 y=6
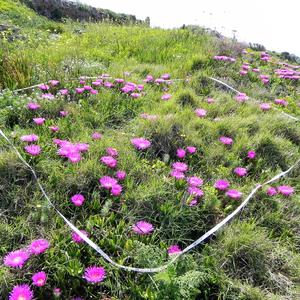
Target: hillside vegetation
x=109 y=98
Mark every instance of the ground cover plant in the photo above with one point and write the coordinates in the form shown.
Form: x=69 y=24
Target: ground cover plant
x=144 y=153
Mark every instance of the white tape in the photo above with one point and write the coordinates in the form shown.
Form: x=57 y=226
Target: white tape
x=175 y=256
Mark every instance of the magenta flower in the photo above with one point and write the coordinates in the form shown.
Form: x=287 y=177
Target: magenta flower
x=174 y=249
x=191 y=149
x=180 y=153
x=33 y=150
x=177 y=174
x=53 y=82
x=56 y=292
x=44 y=87
x=77 y=199
x=30 y=138
x=165 y=76
x=194 y=191
x=233 y=194
x=241 y=97
x=221 y=184
x=112 y=152
x=82 y=147
x=135 y=95
x=93 y=92
x=281 y=102
x=142 y=227
x=54 y=128
x=21 y=292
x=240 y=171
x=94 y=274
x=39 y=279
x=63 y=113
x=193 y=202
x=225 y=140
x=210 y=100
x=79 y=90
x=195 y=181
x=180 y=166
x=39 y=246
x=116 y=190
x=39 y=121
x=140 y=143
x=265 y=106
x=271 y=191
x=48 y=96
x=33 y=106
x=16 y=259
x=76 y=237
x=120 y=175
x=200 y=112
x=64 y=92
x=285 y=190
x=107 y=182
x=251 y=154
x=109 y=161
x=166 y=97
x=96 y=136
x=87 y=87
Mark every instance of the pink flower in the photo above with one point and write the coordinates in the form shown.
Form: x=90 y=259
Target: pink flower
x=195 y=181
x=53 y=82
x=251 y=154
x=112 y=151
x=285 y=190
x=76 y=237
x=166 y=97
x=135 y=95
x=221 y=184
x=54 y=128
x=234 y=194
x=30 y=138
x=265 y=106
x=16 y=259
x=82 y=147
x=56 y=292
x=177 y=174
x=241 y=97
x=33 y=106
x=39 y=121
x=64 y=92
x=200 y=112
x=33 y=150
x=94 y=274
x=174 y=249
x=120 y=175
x=39 y=279
x=142 y=227
x=210 y=100
x=107 y=182
x=271 y=191
x=166 y=76
x=225 y=140
x=39 y=246
x=191 y=149
x=44 y=87
x=193 y=202
x=116 y=190
x=77 y=199
x=180 y=153
x=63 y=113
x=140 y=143
x=21 y=292
x=96 y=136
x=192 y=190
x=109 y=161
x=240 y=171
x=87 y=87
x=79 y=90
x=48 y=96
x=180 y=166
x=281 y=102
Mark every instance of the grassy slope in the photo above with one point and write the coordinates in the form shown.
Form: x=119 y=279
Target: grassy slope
x=254 y=258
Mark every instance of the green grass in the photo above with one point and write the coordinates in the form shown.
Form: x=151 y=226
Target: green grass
x=255 y=257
